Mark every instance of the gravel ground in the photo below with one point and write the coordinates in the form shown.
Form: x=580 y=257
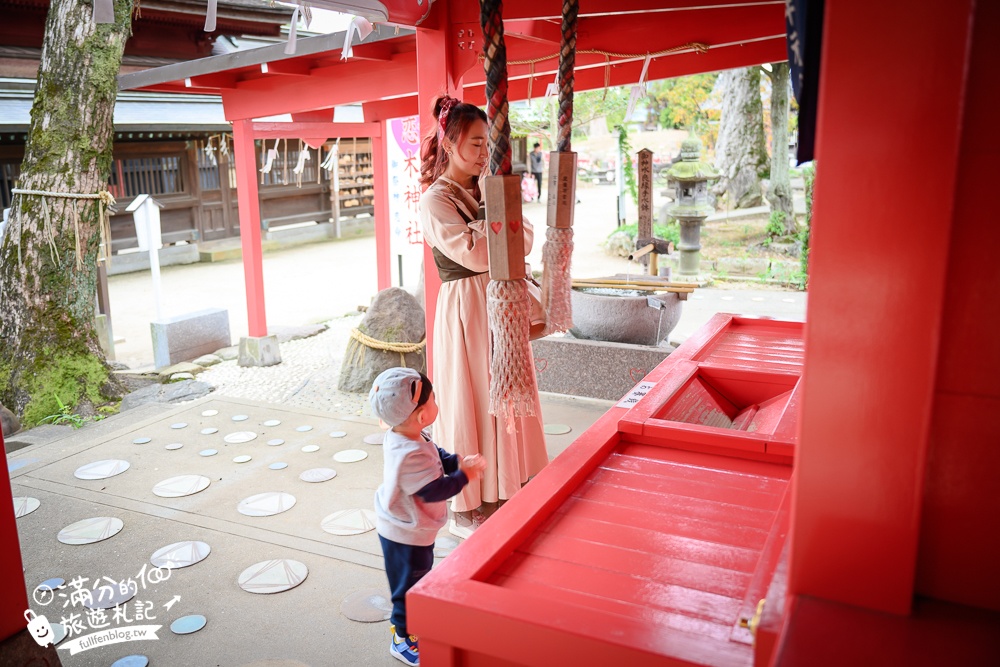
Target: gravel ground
x=306 y=377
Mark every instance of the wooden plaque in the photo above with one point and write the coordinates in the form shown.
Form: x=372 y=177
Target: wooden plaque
x=645 y=193
x=562 y=189
x=504 y=228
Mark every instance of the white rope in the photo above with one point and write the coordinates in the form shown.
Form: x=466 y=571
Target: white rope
x=557 y=255
x=105 y=200
x=512 y=370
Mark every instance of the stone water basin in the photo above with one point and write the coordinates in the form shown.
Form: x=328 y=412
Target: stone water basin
x=624 y=316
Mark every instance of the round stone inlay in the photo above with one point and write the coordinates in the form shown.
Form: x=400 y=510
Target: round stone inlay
x=278 y=465
x=88 y=531
x=303 y=429
x=274 y=442
x=350 y=456
x=101 y=469
x=318 y=475
x=370 y=606
x=242 y=458
x=208 y=452
x=141 y=441
x=131 y=661
x=374 y=438
x=273 y=576
x=240 y=437
x=185 y=625
x=338 y=434
x=240 y=418
x=209 y=430
x=173 y=446
x=556 y=429
x=272 y=422
x=349 y=522
x=25 y=505
x=58 y=633
x=182 y=485
x=179 y=425
x=266 y=504
x=209 y=413
x=308 y=449
x=180 y=554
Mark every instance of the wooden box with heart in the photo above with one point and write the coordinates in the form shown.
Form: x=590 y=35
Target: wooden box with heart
x=504 y=228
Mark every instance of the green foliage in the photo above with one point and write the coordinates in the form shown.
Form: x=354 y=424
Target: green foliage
x=809 y=174
x=776 y=225
x=678 y=102
x=74 y=377
x=64 y=416
x=628 y=168
x=669 y=232
x=540 y=120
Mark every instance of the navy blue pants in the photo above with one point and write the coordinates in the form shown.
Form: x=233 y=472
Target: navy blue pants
x=538 y=177
x=405 y=565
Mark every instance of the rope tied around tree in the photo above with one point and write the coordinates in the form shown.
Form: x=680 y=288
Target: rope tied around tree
x=367 y=341
x=105 y=201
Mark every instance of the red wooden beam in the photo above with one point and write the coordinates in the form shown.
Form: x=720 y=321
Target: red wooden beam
x=268 y=130
x=220 y=80
x=644 y=10
x=346 y=83
x=296 y=67
x=386 y=109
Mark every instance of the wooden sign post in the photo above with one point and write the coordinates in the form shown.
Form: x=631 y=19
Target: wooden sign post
x=646 y=204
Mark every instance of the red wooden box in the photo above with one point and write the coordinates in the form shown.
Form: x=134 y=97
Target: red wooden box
x=651 y=537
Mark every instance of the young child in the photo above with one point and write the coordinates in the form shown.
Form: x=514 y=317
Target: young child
x=418 y=478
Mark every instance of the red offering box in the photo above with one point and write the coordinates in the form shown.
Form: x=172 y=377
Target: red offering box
x=652 y=538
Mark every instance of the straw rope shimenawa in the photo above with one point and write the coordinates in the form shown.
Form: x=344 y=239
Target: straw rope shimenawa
x=367 y=341
x=105 y=200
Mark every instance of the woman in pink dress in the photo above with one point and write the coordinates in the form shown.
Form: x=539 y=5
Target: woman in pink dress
x=453 y=157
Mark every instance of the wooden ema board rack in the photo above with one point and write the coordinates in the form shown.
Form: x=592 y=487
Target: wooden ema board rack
x=650 y=538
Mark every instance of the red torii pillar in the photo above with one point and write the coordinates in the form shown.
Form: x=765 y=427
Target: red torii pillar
x=16 y=600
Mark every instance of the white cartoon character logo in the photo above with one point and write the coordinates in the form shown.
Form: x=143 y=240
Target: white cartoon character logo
x=39 y=628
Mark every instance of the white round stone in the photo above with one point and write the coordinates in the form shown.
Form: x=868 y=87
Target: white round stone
x=350 y=456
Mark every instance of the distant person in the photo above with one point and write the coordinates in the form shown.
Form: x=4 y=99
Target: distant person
x=418 y=477
x=537 y=166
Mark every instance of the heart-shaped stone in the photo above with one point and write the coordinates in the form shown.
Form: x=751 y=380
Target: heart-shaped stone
x=541 y=365
x=636 y=374
x=515 y=226
x=496 y=227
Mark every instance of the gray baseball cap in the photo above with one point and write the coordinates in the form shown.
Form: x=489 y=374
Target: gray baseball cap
x=394 y=395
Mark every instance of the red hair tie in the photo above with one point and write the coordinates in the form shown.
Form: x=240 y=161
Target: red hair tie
x=446 y=105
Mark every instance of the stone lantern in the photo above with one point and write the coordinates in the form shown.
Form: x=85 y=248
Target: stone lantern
x=691 y=206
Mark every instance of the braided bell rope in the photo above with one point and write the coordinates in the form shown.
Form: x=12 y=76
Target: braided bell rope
x=567 y=61
x=557 y=255
x=512 y=368
x=495 y=63
x=105 y=200
x=366 y=341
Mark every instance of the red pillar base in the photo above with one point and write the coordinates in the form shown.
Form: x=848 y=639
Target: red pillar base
x=21 y=650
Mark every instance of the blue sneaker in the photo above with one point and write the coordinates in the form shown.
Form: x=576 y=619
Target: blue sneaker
x=404 y=649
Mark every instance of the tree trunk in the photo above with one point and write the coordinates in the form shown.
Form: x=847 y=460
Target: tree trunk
x=780 y=192
x=47 y=333
x=740 y=151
